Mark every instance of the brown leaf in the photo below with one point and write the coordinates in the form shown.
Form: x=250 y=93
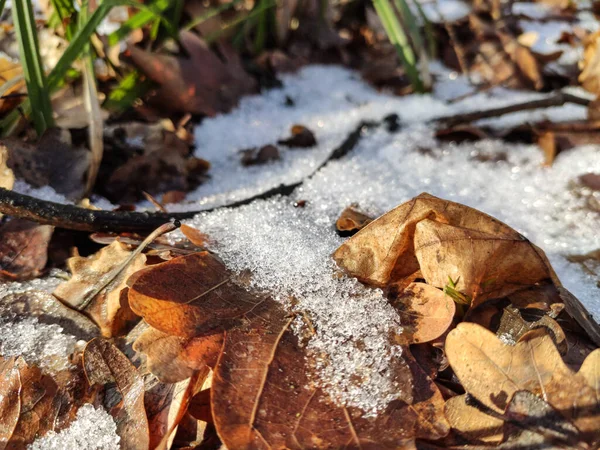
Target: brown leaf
x=590 y=65
x=493 y=372
x=425 y=312
x=174 y=299
x=263 y=155
x=200 y=84
x=47 y=403
x=547 y=142
x=590 y=370
x=172 y=359
x=471 y=422
x=7 y=177
x=106 y=366
x=10 y=400
x=301 y=137
x=445 y=240
x=351 y=221
x=260 y=397
x=23 y=249
x=52 y=161
x=98 y=287
x=166 y=405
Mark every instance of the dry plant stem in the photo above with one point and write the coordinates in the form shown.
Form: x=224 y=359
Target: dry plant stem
x=108 y=278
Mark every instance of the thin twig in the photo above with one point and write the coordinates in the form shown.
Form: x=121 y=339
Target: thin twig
x=556 y=99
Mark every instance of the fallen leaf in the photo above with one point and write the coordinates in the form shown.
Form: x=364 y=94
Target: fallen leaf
x=7 y=177
x=425 y=312
x=471 y=422
x=263 y=155
x=52 y=161
x=351 y=221
x=172 y=298
x=301 y=137
x=590 y=370
x=260 y=398
x=106 y=366
x=547 y=142
x=200 y=84
x=23 y=249
x=493 y=372
x=173 y=359
x=533 y=423
x=10 y=400
x=166 y=405
x=590 y=64
x=444 y=240
x=98 y=287
x=12 y=82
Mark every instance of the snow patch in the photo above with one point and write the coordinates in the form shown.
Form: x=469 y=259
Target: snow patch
x=93 y=429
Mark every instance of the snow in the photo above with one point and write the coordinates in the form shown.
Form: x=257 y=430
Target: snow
x=93 y=429
x=40 y=344
x=46 y=284
x=288 y=248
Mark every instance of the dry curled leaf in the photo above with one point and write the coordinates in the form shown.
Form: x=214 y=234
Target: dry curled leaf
x=98 y=287
x=590 y=64
x=7 y=177
x=200 y=84
x=493 y=372
x=301 y=137
x=106 y=366
x=351 y=221
x=445 y=240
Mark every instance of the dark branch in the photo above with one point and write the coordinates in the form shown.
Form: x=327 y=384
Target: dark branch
x=77 y=218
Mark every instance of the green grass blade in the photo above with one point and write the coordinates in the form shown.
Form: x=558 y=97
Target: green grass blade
x=66 y=12
x=153 y=11
x=132 y=87
x=410 y=23
x=2 y=5
x=398 y=38
x=37 y=89
x=209 y=14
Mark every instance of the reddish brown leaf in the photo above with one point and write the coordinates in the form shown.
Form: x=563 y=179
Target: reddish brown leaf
x=190 y=295
x=200 y=84
x=23 y=249
x=10 y=400
x=260 y=398
x=301 y=137
x=106 y=366
x=172 y=359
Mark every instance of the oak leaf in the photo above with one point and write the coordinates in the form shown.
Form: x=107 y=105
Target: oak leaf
x=190 y=295
x=106 y=366
x=98 y=287
x=493 y=372
x=472 y=423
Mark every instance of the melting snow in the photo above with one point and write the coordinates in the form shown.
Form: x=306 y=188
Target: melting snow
x=288 y=248
x=93 y=429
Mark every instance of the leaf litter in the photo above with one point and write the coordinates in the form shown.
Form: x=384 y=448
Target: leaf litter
x=287 y=250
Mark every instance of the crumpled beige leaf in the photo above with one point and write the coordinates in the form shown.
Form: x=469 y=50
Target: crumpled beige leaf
x=493 y=372
x=98 y=287
x=444 y=240
x=470 y=422
x=590 y=64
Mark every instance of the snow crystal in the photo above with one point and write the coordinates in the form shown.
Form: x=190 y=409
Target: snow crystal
x=93 y=429
x=289 y=255
x=46 y=284
x=288 y=249
x=40 y=344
